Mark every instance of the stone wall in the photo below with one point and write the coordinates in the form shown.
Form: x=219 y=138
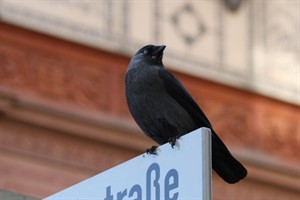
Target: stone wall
x=63 y=118
x=255 y=47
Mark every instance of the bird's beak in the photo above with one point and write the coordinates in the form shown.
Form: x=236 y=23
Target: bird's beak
x=158 y=50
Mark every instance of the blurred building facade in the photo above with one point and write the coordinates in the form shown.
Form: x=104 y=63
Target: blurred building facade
x=63 y=114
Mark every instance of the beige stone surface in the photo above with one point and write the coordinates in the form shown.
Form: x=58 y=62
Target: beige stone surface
x=254 y=48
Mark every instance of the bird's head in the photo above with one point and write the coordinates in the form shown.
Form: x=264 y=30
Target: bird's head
x=149 y=54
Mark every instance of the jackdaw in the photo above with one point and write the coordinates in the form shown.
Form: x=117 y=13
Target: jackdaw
x=164 y=110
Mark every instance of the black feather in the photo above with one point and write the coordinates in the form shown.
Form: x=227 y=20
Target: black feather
x=163 y=109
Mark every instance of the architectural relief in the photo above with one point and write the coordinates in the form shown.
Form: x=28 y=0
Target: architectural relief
x=56 y=147
x=254 y=48
x=276 y=48
x=54 y=77
x=63 y=114
x=191 y=16
x=92 y=85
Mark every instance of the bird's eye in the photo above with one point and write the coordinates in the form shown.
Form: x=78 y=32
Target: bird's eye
x=145 y=51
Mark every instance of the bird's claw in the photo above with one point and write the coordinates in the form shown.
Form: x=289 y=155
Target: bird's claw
x=152 y=150
x=172 y=141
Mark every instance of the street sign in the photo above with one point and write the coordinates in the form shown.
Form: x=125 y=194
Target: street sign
x=179 y=173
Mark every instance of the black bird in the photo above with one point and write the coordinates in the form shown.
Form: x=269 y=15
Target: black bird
x=164 y=110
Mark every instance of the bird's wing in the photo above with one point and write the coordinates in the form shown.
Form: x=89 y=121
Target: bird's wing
x=177 y=91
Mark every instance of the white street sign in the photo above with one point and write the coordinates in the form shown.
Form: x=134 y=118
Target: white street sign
x=182 y=173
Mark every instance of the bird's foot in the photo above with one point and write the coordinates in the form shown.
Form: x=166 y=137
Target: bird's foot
x=152 y=150
x=172 y=141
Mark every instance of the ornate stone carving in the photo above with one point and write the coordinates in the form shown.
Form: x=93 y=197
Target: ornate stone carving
x=56 y=77
x=254 y=48
x=187 y=12
x=96 y=84
x=67 y=75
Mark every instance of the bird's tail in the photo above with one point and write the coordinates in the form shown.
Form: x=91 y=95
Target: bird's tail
x=224 y=164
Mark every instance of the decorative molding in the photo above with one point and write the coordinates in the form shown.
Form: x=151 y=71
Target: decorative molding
x=59 y=143
x=73 y=132
x=252 y=48
x=179 y=22
x=95 y=83
x=233 y=5
x=55 y=77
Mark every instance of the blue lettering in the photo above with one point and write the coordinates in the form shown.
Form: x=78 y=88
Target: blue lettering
x=155 y=168
x=121 y=195
x=108 y=194
x=171 y=186
x=171 y=182
x=138 y=190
